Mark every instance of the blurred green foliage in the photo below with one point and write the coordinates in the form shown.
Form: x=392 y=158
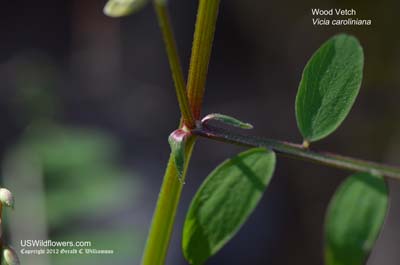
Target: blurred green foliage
x=85 y=189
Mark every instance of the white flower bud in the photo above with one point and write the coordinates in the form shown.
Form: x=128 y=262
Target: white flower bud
x=6 y=197
x=121 y=8
x=10 y=257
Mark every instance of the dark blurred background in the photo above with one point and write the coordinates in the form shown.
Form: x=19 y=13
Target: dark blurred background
x=87 y=103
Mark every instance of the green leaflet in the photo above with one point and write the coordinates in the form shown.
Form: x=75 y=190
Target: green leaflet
x=354 y=219
x=227 y=120
x=121 y=8
x=329 y=86
x=224 y=202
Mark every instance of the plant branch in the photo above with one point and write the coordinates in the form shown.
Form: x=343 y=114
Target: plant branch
x=298 y=151
x=174 y=62
x=201 y=51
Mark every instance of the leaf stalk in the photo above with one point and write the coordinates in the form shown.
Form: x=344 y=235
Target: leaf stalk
x=299 y=152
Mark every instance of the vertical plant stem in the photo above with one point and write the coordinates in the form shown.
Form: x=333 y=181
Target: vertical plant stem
x=201 y=51
x=174 y=62
x=164 y=216
x=165 y=212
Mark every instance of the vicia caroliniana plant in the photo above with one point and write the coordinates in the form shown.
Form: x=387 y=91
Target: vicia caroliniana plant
x=9 y=256
x=328 y=88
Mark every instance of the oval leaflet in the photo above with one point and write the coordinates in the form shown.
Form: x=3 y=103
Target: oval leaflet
x=329 y=86
x=354 y=219
x=224 y=202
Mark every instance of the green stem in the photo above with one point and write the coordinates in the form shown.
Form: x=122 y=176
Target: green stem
x=201 y=51
x=165 y=212
x=298 y=151
x=164 y=216
x=174 y=62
